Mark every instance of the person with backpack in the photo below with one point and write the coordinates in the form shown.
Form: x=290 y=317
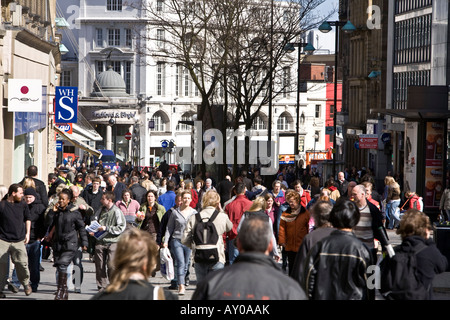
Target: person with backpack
x=209 y=251
x=413 y=201
x=409 y=274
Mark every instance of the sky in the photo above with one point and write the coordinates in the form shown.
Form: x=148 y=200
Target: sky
x=326 y=41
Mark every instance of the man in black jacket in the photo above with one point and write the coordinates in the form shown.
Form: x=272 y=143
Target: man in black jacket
x=15 y=226
x=115 y=186
x=238 y=281
x=138 y=192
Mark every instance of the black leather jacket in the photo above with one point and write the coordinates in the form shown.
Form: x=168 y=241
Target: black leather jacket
x=336 y=268
x=252 y=276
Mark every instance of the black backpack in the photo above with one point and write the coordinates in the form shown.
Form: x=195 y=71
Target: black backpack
x=399 y=280
x=205 y=237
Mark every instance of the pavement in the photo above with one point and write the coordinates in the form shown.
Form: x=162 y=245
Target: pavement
x=47 y=286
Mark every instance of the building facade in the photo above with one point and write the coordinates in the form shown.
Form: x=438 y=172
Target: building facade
x=29 y=50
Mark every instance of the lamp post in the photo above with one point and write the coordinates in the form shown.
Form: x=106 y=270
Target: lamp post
x=290 y=47
x=325 y=27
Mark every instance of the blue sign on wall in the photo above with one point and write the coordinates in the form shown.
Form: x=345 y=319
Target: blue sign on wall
x=66 y=104
x=59 y=145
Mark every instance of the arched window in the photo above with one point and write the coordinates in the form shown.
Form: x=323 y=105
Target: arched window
x=260 y=122
x=181 y=127
x=285 y=122
x=160 y=121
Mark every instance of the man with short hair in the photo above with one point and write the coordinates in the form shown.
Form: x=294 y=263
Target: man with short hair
x=342 y=184
x=254 y=275
x=167 y=200
x=138 y=192
x=15 y=228
x=112 y=221
x=370 y=225
x=235 y=210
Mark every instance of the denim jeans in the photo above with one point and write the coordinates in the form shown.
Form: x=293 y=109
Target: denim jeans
x=233 y=252
x=34 y=258
x=182 y=257
x=202 y=269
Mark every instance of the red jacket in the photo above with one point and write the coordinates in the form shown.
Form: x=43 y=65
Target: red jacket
x=235 y=210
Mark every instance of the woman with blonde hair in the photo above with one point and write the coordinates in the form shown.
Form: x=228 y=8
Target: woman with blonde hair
x=134 y=260
x=258 y=208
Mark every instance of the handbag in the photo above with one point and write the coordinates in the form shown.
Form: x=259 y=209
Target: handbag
x=166 y=268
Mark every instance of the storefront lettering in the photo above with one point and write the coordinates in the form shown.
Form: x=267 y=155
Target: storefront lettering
x=113 y=114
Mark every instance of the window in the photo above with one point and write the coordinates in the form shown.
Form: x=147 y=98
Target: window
x=114 y=37
x=283 y=122
x=184 y=127
x=186 y=82
x=332 y=111
x=178 y=80
x=114 y=5
x=317 y=113
x=127 y=76
x=159 y=123
x=286 y=81
x=160 y=38
x=160 y=78
x=259 y=124
x=128 y=38
x=99 y=67
x=160 y=6
x=99 y=37
x=66 y=78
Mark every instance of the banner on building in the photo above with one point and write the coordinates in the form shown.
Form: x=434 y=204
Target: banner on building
x=66 y=104
x=434 y=169
x=25 y=95
x=411 y=145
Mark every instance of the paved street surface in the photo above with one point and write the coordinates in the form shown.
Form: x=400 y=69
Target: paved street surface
x=47 y=286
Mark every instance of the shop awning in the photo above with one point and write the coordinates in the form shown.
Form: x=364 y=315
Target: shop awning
x=78 y=143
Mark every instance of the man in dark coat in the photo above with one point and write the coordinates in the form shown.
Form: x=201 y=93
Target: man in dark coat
x=238 y=281
x=116 y=187
x=138 y=192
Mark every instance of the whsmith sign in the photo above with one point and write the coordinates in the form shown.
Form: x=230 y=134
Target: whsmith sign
x=66 y=104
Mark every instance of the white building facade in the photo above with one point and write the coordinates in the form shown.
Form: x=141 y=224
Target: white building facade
x=157 y=92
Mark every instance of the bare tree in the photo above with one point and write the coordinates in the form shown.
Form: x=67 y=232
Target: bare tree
x=233 y=46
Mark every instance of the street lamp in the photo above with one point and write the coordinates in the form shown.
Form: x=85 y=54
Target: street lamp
x=326 y=27
x=290 y=47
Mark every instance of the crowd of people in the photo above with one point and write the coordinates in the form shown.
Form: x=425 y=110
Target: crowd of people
x=295 y=232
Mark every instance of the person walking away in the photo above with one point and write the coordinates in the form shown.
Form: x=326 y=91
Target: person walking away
x=415 y=230
x=393 y=206
x=167 y=200
x=134 y=262
x=15 y=228
x=67 y=227
x=138 y=192
x=174 y=234
x=320 y=211
x=293 y=227
x=112 y=221
x=254 y=275
x=235 y=210
x=336 y=267
x=222 y=224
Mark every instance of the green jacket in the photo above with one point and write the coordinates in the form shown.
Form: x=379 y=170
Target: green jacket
x=160 y=211
x=115 y=223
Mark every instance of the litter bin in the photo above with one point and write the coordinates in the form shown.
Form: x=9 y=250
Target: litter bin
x=441 y=236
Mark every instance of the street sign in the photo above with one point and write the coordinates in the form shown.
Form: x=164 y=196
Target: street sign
x=128 y=135
x=164 y=144
x=59 y=145
x=65 y=127
x=66 y=104
x=368 y=141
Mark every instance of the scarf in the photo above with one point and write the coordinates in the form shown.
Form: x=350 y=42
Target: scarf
x=291 y=216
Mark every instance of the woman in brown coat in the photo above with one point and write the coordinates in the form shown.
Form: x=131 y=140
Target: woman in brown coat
x=293 y=227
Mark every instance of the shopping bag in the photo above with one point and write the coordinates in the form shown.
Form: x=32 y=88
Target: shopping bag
x=167 y=269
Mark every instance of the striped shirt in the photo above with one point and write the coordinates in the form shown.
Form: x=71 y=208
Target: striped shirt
x=363 y=230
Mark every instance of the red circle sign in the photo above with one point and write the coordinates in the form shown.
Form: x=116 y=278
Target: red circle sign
x=128 y=135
